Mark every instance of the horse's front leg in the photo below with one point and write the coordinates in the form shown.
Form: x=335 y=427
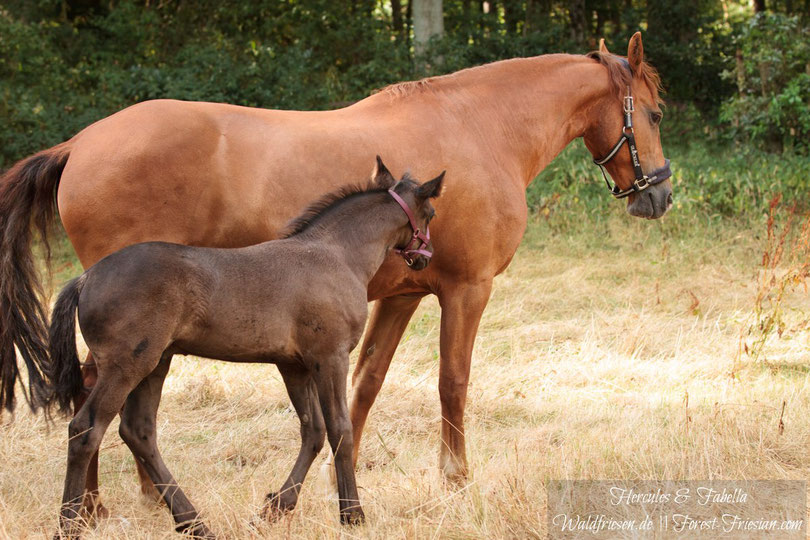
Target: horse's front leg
x=330 y=377
x=388 y=321
x=304 y=396
x=462 y=306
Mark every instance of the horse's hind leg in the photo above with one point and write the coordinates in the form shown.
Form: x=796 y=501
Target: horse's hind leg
x=85 y=433
x=138 y=430
x=330 y=378
x=304 y=396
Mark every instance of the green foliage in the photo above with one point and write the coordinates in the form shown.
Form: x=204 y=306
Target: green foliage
x=67 y=63
x=709 y=180
x=772 y=72
x=690 y=43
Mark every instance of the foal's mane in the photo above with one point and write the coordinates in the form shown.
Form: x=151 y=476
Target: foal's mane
x=621 y=75
x=330 y=201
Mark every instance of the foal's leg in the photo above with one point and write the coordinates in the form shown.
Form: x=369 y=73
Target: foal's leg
x=92 y=507
x=330 y=378
x=138 y=420
x=304 y=396
x=388 y=321
x=462 y=307
x=86 y=431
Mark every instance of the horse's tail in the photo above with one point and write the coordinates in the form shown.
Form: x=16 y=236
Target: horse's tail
x=27 y=197
x=63 y=371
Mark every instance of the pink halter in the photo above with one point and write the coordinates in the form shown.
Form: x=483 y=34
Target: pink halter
x=419 y=239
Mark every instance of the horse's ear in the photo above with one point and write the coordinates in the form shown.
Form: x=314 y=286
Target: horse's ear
x=635 y=53
x=431 y=189
x=382 y=176
x=602 y=47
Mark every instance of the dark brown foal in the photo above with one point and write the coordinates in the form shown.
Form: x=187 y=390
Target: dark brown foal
x=298 y=302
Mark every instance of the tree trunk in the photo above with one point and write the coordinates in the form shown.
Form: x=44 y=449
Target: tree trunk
x=428 y=22
x=577 y=16
x=527 y=20
x=396 y=17
x=511 y=15
x=409 y=21
x=759 y=6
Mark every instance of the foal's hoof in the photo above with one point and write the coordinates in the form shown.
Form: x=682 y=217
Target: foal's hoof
x=355 y=516
x=276 y=506
x=196 y=529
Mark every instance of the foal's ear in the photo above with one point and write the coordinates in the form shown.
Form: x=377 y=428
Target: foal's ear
x=635 y=53
x=602 y=47
x=431 y=189
x=382 y=176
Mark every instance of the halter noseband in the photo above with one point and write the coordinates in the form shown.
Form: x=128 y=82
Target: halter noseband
x=422 y=238
x=642 y=181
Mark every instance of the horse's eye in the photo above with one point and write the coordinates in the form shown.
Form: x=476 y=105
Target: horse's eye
x=655 y=118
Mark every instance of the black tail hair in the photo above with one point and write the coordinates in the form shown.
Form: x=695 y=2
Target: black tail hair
x=27 y=201
x=63 y=370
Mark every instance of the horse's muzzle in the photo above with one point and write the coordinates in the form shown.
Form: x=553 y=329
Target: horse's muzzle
x=652 y=203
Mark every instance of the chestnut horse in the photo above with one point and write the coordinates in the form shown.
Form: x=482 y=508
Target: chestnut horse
x=220 y=175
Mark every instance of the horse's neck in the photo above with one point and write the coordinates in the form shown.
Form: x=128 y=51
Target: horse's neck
x=522 y=112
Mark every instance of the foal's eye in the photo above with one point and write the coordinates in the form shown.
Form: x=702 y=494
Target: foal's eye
x=655 y=118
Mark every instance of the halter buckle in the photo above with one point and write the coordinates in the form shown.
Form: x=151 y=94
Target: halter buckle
x=629 y=106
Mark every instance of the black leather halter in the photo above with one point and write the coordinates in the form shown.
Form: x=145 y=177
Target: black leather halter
x=642 y=181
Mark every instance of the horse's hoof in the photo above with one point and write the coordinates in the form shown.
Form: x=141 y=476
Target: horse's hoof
x=152 y=495
x=355 y=516
x=93 y=511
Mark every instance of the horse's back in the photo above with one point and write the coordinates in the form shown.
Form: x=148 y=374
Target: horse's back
x=193 y=173
x=163 y=170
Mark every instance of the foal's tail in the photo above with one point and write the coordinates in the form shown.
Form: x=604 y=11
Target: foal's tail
x=27 y=197
x=63 y=371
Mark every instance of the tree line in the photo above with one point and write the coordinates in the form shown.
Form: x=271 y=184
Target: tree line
x=67 y=63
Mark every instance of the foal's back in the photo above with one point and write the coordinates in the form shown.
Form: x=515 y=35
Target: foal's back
x=263 y=303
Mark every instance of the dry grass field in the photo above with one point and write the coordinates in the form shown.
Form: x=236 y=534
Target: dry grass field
x=603 y=354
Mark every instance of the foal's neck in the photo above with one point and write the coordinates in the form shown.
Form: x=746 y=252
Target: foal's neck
x=362 y=230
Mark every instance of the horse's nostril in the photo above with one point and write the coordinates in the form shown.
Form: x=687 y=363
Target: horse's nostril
x=669 y=199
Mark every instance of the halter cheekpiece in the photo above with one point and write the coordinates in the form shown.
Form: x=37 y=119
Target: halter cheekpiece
x=418 y=245
x=642 y=181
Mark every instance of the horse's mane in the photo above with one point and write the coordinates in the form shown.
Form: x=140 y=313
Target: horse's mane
x=407 y=88
x=329 y=202
x=621 y=75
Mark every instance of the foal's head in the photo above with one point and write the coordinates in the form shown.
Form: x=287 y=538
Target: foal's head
x=643 y=177
x=414 y=243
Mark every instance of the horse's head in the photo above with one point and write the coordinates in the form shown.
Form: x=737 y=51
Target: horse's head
x=625 y=139
x=414 y=243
